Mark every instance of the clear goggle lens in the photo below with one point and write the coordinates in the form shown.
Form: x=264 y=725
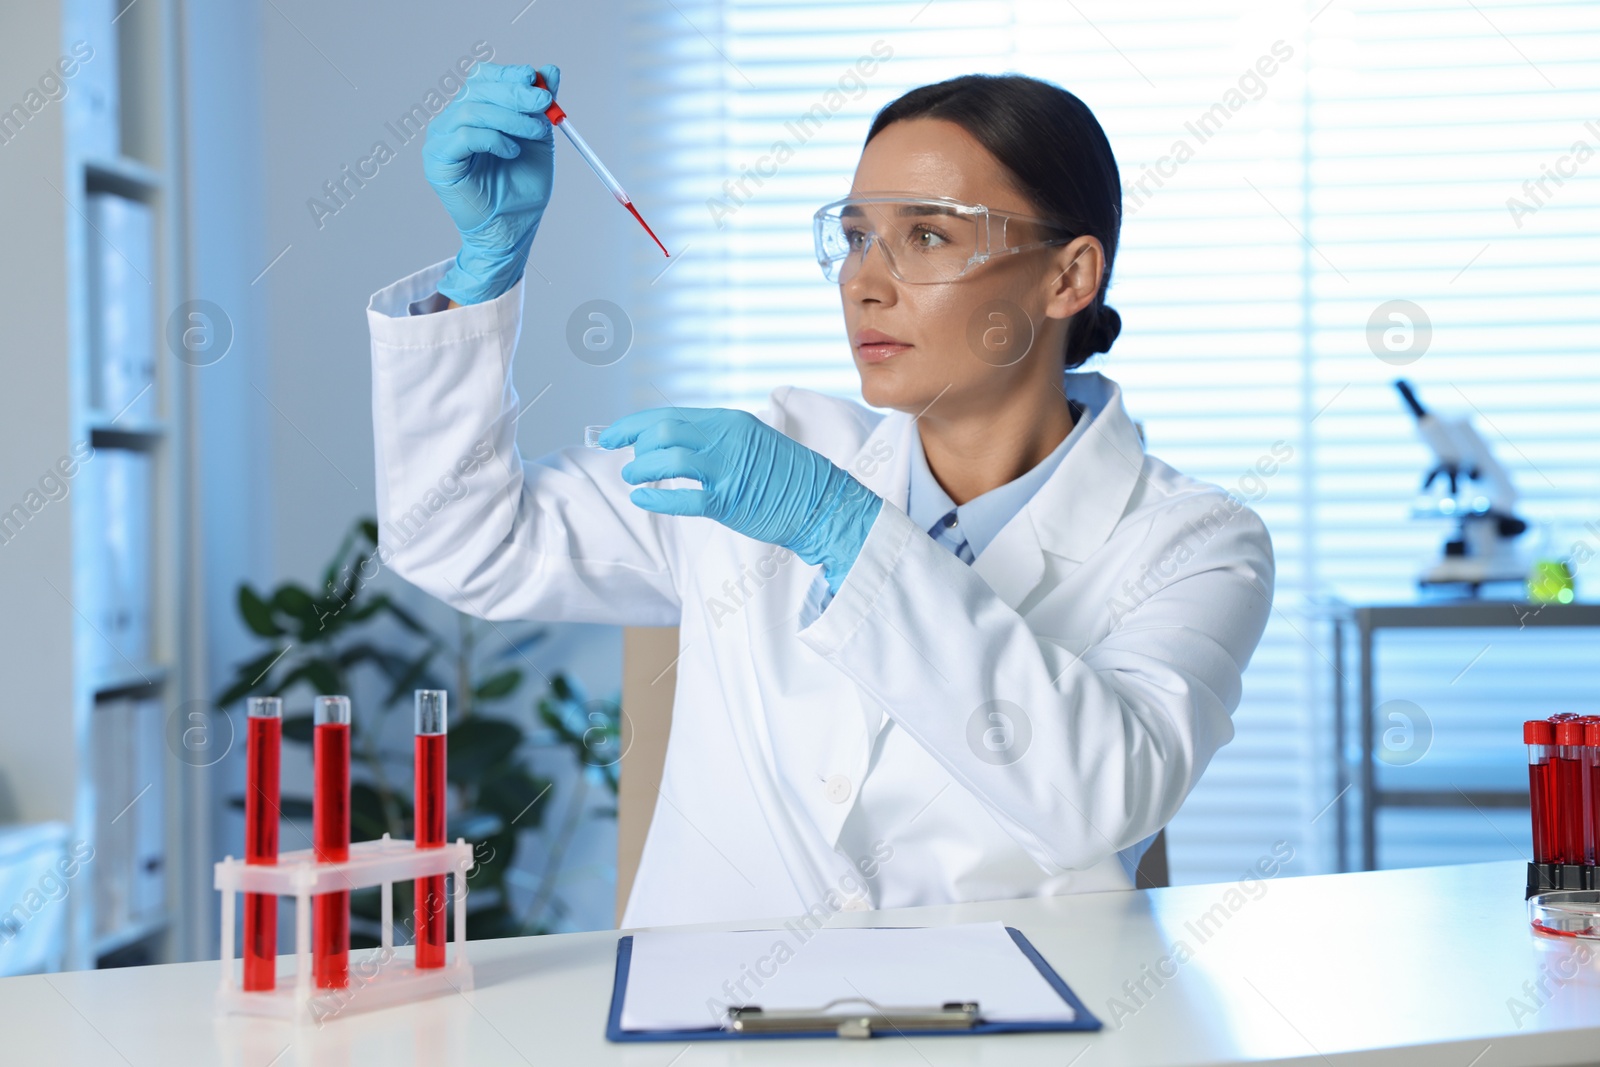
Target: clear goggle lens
x=922 y=241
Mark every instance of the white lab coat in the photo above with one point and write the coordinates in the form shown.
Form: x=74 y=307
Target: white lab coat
x=1113 y=616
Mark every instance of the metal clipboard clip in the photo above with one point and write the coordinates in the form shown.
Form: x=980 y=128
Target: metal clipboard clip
x=955 y=1015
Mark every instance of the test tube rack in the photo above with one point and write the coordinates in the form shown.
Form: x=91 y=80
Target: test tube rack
x=380 y=978
x=1564 y=803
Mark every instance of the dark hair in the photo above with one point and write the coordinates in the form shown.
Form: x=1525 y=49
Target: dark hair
x=1058 y=157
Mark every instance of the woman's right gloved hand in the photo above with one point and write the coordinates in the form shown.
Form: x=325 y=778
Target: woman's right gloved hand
x=490 y=156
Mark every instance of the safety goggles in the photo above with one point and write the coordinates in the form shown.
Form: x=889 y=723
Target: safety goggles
x=923 y=240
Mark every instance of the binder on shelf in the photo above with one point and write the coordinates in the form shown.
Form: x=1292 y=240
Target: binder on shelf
x=113 y=789
x=148 y=877
x=121 y=241
x=130 y=849
x=121 y=593
x=805 y=981
x=88 y=69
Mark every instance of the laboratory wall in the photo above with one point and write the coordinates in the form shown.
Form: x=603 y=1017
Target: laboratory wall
x=36 y=558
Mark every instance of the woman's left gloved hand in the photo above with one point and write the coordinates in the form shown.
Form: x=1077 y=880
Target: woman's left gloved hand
x=754 y=480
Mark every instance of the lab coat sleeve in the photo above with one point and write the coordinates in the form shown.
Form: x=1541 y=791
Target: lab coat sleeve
x=1106 y=740
x=461 y=515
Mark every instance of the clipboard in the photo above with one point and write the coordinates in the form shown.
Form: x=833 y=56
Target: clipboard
x=875 y=1021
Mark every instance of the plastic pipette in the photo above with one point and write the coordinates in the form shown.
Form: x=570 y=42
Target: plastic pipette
x=558 y=118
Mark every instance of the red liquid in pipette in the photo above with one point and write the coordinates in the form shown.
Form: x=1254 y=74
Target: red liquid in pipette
x=330 y=927
x=649 y=231
x=429 y=800
x=556 y=116
x=264 y=742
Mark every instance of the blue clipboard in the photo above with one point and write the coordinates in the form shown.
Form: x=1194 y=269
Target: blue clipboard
x=1084 y=1021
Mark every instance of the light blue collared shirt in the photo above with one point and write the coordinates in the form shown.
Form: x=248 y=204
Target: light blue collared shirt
x=967 y=529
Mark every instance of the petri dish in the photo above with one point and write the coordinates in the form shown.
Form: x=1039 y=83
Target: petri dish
x=1566 y=913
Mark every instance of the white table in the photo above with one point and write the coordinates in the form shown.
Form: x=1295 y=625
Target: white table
x=1349 y=968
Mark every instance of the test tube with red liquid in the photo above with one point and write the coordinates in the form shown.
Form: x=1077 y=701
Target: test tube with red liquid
x=1540 y=737
x=1591 y=759
x=1570 y=772
x=429 y=805
x=264 y=742
x=330 y=814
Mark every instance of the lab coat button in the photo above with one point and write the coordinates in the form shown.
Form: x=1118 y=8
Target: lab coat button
x=837 y=788
x=856 y=904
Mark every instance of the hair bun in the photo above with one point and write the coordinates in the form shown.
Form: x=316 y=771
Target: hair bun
x=1103 y=331
x=1097 y=335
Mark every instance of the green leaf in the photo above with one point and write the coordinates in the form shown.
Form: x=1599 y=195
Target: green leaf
x=367 y=822
x=511 y=792
x=367 y=904
x=403 y=617
x=256 y=614
x=322 y=675
x=329 y=617
x=249 y=677
x=295 y=808
x=409 y=675
x=288 y=807
x=369 y=530
x=295 y=602
x=298 y=728
x=498 y=686
x=494 y=922
x=334 y=565
x=492 y=856
x=559 y=687
x=478 y=744
x=367 y=610
x=240 y=689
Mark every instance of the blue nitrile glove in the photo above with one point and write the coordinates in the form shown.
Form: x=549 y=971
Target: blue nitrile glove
x=489 y=155
x=754 y=480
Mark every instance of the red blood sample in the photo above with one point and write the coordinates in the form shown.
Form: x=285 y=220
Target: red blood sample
x=1591 y=747
x=264 y=739
x=429 y=802
x=1571 y=814
x=330 y=924
x=1539 y=736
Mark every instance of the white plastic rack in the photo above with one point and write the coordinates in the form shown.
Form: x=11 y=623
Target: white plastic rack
x=379 y=978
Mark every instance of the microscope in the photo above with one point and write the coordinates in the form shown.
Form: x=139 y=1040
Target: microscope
x=1466 y=484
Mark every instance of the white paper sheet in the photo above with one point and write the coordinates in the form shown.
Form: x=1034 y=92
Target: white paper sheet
x=681 y=980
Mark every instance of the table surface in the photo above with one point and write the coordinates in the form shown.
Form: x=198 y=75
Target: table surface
x=1349 y=968
x=1393 y=608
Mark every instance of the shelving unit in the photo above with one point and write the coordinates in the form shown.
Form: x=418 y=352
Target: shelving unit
x=137 y=159
x=97 y=114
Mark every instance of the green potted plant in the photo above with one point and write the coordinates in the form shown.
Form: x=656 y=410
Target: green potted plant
x=319 y=642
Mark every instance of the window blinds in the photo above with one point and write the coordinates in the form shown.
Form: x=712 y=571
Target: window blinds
x=1287 y=169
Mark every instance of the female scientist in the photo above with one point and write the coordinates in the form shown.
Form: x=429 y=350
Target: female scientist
x=979 y=647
